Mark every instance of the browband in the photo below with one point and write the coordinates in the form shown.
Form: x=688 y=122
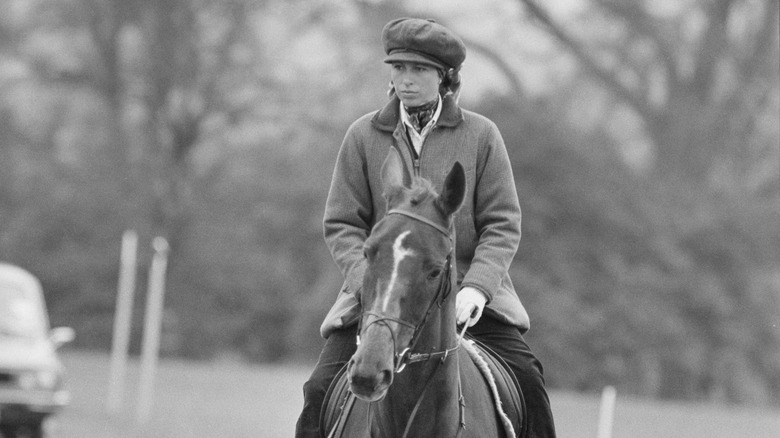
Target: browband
x=422 y=219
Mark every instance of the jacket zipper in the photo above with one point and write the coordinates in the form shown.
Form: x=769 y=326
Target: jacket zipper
x=412 y=154
x=416 y=161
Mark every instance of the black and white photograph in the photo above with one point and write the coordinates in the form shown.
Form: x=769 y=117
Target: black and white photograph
x=389 y=219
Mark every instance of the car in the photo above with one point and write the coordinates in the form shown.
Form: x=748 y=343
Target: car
x=31 y=374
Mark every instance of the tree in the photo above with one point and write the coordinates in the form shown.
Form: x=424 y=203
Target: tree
x=700 y=75
x=695 y=251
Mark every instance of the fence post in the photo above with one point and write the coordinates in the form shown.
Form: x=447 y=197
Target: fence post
x=152 y=326
x=607 y=412
x=122 y=320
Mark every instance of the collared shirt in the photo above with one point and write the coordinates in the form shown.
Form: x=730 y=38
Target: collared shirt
x=418 y=138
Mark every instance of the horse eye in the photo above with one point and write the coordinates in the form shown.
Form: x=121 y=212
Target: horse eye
x=434 y=274
x=368 y=251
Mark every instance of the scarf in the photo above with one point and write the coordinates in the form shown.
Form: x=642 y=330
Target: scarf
x=419 y=116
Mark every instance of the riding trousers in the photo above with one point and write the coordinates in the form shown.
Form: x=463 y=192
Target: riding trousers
x=504 y=339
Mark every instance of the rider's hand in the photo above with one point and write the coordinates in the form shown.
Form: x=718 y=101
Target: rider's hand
x=469 y=304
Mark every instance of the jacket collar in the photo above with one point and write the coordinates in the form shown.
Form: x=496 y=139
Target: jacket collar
x=387 y=118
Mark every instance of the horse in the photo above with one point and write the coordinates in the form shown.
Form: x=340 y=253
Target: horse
x=408 y=323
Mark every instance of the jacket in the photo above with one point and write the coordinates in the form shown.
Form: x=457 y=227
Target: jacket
x=487 y=225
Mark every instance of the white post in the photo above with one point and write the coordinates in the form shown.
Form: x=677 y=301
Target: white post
x=122 y=320
x=152 y=325
x=607 y=412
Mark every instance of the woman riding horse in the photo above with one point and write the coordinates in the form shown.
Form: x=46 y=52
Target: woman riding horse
x=428 y=129
x=409 y=318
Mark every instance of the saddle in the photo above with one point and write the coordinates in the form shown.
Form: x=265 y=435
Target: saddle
x=339 y=402
x=509 y=391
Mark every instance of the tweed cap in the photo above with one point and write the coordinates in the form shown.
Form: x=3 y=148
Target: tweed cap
x=423 y=41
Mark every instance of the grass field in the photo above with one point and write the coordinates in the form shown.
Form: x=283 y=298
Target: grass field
x=204 y=400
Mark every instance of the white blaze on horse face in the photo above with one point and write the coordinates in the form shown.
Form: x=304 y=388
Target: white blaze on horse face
x=399 y=253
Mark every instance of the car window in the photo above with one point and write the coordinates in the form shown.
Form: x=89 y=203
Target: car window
x=20 y=313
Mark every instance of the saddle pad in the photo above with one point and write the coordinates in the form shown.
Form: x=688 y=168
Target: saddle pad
x=500 y=376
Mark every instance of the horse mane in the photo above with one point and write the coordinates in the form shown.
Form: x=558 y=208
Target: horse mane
x=420 y=190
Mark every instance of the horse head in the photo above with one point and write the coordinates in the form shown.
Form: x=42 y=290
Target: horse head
x=409 y=256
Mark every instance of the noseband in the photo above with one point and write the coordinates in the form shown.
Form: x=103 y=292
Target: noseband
x=406 y=356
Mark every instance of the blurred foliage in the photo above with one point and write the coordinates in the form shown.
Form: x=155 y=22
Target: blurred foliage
x=644 y=139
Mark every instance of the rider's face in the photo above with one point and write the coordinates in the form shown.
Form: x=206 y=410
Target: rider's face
x=415 y=83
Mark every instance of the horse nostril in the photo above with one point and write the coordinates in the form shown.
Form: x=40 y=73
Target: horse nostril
x=386 y=377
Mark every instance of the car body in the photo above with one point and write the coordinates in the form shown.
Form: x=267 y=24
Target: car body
x=31 y=374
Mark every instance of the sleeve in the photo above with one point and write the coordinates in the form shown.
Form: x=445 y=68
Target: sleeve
x=349 y=211
x=497 y=216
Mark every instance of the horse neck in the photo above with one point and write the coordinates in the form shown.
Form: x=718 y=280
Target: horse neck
x=439 y=333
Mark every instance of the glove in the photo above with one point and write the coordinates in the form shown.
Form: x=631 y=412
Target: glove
x=469 y=304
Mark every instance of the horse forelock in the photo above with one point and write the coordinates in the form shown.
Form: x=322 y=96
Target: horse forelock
x=422 y=187
x=420 y=197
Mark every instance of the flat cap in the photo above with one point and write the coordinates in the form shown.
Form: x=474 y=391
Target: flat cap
x=423 y=41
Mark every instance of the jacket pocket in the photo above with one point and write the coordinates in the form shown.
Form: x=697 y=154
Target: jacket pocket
x=344 y=312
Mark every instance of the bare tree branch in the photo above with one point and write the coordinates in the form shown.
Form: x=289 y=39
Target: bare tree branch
x=104 y=26
x=608 y=77
x=641 y=24
x=500 y=63
x=205 y=85
x=714 y=43
x=764 y=42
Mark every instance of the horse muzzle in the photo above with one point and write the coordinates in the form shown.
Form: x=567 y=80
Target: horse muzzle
x=369 y=387
x=370 y=371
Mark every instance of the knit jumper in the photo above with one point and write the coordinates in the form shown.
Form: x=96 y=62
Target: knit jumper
x=487 y=225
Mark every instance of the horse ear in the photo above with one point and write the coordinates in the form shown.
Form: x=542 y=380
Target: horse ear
x=394 y=175
x=454 y=191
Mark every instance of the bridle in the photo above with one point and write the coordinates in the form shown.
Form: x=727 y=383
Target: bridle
x=406 y=356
